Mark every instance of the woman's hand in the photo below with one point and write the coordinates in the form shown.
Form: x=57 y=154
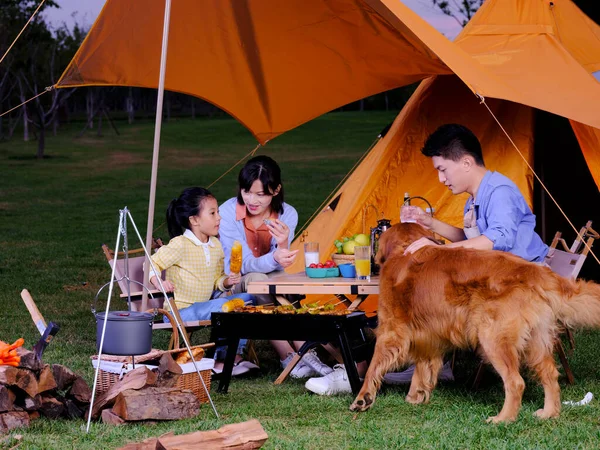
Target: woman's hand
x=285 y=257
x=169 y=287
x=232 y=280
x=418 y=244
x=280 y=231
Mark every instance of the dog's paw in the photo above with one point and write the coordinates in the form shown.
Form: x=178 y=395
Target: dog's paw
x=362 y=403
x=418 y=398
x=542 y=414
x=500 y=419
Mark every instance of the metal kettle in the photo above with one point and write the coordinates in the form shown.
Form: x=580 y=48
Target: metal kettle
x=376 y=232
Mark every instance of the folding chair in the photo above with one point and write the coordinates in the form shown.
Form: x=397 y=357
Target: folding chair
x=567 y=263
x=134 y=289
x=131 y=284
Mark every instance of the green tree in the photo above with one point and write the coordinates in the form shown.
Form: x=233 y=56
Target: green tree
x=461 y=11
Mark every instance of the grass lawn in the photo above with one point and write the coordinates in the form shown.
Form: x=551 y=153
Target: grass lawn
x=55 y=214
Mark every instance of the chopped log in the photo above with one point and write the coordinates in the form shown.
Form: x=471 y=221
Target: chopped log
x=136 y=379
x=168 y=371
x=111 y=418
x=28 y=359
x=46 y=381
x=7 y=399
x=72 y=410
x=51 y=407
x=156 y=403
x=244 y=435
x=29 y=403
x=22 y=378
x=63 y=375
x=13 y=419
x=146 y=444
x=80 y=391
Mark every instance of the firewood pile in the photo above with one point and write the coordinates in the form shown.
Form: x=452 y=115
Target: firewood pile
x=30 y=389
x=147 y=395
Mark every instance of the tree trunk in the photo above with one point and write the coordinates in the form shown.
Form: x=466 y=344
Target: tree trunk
x=168 y=105
x=41 y=141
x=130 y=108
x=89 y=106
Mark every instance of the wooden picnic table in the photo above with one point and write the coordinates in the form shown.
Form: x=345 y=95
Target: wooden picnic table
x=315 y=330
x=299 y=283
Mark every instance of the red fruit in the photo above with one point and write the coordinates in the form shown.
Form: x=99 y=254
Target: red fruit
x=328 y=264
x=313 y=266
x=320 y=265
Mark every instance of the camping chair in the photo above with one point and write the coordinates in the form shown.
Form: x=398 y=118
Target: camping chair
x=567 y=263
x=135 y=260
x=156 y=299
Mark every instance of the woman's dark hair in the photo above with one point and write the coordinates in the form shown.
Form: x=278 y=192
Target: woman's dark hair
x=452 y=141
x=188 y=204
x=268 y=172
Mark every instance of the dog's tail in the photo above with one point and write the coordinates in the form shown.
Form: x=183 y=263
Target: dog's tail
x=577 y=303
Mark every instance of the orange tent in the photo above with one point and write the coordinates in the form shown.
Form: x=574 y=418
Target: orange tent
x=515 y=39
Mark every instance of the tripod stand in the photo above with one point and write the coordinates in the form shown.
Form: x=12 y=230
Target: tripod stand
x=124 y=215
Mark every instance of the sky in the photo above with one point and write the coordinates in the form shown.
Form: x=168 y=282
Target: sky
x=85 y=12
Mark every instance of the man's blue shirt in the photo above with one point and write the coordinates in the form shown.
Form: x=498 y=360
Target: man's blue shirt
x=504 y=217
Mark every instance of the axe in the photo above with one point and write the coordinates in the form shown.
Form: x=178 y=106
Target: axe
x=47 y=331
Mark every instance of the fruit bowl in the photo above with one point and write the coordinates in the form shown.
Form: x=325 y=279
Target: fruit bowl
x=323 y=273
x=340 y=258
x=347 y=270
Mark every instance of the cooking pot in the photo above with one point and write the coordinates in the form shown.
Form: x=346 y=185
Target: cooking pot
x=127 y=332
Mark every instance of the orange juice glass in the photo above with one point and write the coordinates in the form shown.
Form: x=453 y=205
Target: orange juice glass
x=362 y=262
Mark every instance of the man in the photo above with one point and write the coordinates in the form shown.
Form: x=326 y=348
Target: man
x=496 y=216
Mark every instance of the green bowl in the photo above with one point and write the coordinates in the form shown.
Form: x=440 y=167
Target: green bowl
x=323 y=273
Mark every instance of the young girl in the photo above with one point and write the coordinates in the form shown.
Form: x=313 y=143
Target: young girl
x=193 y=259
x=264 y=224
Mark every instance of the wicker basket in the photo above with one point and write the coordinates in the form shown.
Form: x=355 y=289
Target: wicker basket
x=116 y=367
x=340 y=258
x=185 y=381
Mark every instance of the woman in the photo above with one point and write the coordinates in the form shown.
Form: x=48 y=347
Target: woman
x=264 y=224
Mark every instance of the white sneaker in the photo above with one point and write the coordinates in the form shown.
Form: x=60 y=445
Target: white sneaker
x=405 y=377
x=301 y=370
x=311 y=359
x=334 y=383
x=243 y=367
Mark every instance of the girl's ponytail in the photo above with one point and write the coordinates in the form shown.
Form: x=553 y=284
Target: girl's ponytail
x=173 y=225
x=180 y=209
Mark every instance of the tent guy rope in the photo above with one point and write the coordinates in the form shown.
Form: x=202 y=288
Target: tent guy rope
x=21 y=32
x=47 y=89
x=482 y=101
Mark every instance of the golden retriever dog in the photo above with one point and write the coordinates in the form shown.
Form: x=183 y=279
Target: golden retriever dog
x=438 y=299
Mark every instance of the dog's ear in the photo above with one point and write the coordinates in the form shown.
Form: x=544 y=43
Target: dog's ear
x=388 y=243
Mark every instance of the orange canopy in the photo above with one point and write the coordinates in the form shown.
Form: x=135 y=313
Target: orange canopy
x=276 y=64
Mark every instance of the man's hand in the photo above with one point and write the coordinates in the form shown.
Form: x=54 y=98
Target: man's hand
x=232 y=280
x=418 y=244
x=285 y=257
x=169 y=287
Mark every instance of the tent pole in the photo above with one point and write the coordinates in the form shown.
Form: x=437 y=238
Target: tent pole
x=155 y=151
